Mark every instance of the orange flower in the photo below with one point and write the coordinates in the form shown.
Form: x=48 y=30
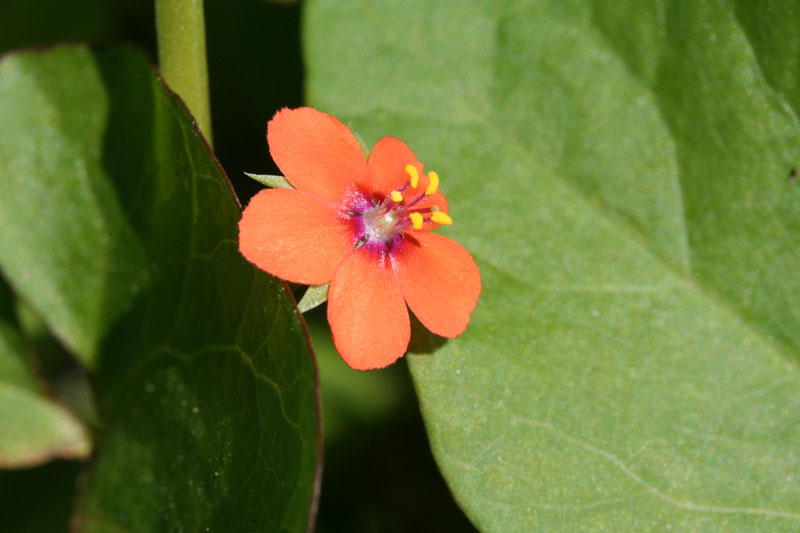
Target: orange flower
x=364 y=226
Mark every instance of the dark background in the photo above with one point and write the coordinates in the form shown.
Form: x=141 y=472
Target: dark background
x=379 y=474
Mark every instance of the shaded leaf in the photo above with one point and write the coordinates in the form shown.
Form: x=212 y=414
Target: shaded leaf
x=203 y=373
x=23 y=24
x=33 y=428
x=619 y=170
x=24 y=494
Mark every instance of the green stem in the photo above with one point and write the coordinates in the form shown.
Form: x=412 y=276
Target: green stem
x=180 y=26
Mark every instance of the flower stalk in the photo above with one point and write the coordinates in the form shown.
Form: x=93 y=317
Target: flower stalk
x=181 y=33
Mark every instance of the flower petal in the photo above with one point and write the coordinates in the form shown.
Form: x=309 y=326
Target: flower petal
x=439 y=280
x=368 y=317
x=295 y=236
x=316 y=153
x=388 y=160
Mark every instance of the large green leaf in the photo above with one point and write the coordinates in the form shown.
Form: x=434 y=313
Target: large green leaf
x=33 y=429
x=202 y=369
x=622 y=173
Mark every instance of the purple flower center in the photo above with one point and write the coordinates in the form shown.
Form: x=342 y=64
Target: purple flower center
x=379 y=223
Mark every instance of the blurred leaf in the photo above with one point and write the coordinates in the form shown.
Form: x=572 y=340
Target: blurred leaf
x=14 y=364
x=205 y=381
x=620 y=171
x=67 y=380
x=33 y=429
x=66 y=244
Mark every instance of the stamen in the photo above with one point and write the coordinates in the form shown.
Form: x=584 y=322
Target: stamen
x=416 y=220
x=397 y=196
x=413 y=174
x=434 y=183
x=441 y=218
x=415 y=200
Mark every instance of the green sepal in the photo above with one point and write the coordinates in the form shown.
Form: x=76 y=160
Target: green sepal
x=315 y=295
x=273 y=182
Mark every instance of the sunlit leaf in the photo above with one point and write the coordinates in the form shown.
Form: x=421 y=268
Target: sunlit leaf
x=274 y=182
x=622 y=172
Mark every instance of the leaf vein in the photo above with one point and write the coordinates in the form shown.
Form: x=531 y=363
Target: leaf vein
x=655 y=491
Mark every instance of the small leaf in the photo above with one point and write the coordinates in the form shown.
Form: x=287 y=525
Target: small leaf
x=314 y=296
x=273 y=182
x=34 y=430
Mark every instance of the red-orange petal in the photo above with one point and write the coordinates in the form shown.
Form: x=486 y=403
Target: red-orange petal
x=316 y=153
x=439 y=280
x=388 y=160
x=369 y=320
x=295 y=236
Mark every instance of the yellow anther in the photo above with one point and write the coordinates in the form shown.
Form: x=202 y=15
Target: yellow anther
x=433 y=184
x=397 y=196
x=441 y=218
x=416 y=220
x=414 y=175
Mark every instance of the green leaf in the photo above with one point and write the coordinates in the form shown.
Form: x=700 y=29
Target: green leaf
x=205 y=380
x=274 y=182
x=33 y=429
x=314 y=296
x=66 y=245
x=621 y=173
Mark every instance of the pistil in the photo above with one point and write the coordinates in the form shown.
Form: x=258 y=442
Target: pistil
x=397 y=212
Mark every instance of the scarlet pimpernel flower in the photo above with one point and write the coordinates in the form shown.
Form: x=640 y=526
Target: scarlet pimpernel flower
x=364 y=225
